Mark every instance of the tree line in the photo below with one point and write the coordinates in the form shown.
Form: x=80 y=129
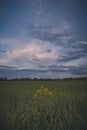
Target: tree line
x=40 y=79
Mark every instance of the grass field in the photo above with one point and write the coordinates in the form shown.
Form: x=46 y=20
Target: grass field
x=59 y=105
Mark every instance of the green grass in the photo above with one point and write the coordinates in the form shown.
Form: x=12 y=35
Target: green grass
x=65 y=110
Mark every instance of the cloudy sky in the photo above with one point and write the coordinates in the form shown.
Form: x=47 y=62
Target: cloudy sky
x=43 y=38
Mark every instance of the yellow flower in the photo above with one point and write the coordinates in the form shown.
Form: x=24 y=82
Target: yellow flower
x=43 y=91
x=46 y=90
x=38 y=91
x=50 y=93
x=35 y=95
x=42 y=87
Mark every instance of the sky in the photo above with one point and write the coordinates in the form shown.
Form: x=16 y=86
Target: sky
x=43 y=38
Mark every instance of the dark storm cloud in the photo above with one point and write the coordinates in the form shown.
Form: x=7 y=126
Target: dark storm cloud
x=7 y=71
x=35 y=73
x=73 y=43
x=84 y=46
x=72 y=56
x=36 y=60
x=7 y=67
x=3 y=51
x=45 y=33
x=74 y=49
x=49 y=50
x=40 y=32
x=78 y=70
x=10 y=72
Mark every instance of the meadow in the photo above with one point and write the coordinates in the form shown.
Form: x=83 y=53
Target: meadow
x=43 y=105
